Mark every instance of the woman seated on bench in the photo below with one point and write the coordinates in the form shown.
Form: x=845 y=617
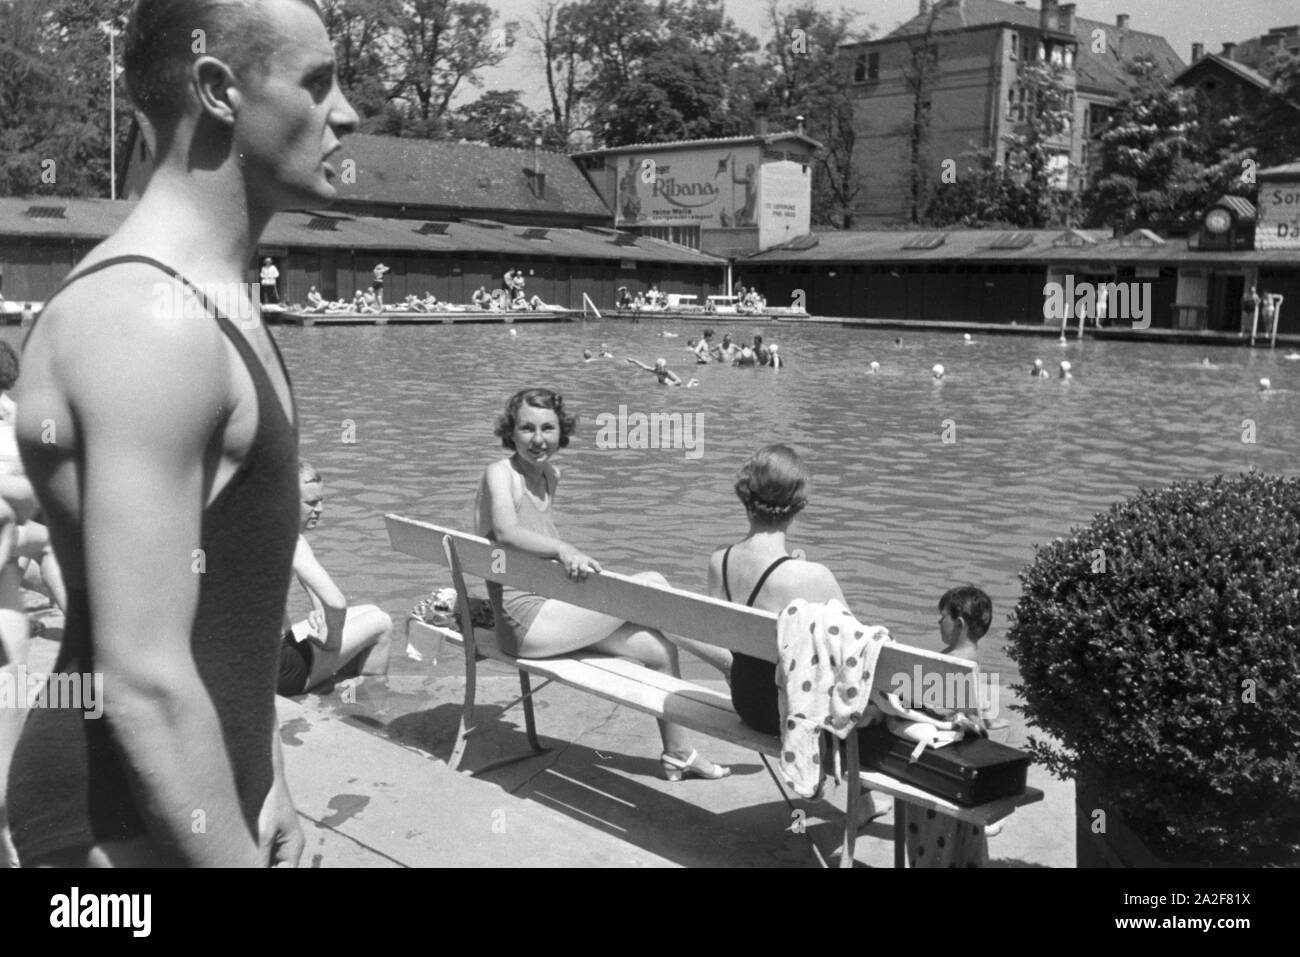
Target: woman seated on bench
x=773 y=487
x=513 y=507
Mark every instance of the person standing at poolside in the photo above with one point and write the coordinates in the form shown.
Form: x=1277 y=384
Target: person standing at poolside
x=270 y=278
x=514 y=507
x=378 y=285
x=162 y=443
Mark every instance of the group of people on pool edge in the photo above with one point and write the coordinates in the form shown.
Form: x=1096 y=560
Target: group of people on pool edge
x=514 y=506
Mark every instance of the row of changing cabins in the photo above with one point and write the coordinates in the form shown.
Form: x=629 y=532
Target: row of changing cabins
x=979 y=276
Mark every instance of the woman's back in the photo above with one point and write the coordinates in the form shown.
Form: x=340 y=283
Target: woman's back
x=746 y=562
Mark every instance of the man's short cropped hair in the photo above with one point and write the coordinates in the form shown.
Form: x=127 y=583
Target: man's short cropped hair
x=163 y=37
x=971 y=605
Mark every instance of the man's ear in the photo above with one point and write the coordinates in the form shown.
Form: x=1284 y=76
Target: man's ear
x=214 y=86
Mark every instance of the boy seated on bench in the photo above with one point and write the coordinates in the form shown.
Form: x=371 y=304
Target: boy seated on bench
x=334 y=638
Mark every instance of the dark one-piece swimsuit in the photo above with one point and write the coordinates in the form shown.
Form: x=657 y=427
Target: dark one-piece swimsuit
x=69 y=784
x=753 y=680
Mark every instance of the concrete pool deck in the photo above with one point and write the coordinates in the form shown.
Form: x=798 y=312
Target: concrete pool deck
x=366 y=764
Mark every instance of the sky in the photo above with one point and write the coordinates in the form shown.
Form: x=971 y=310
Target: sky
x=1181 y=22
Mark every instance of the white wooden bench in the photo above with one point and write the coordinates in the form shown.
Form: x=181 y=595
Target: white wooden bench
x=682 y=702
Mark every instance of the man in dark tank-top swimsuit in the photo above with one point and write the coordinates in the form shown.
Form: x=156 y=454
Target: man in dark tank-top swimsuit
x=163 y=446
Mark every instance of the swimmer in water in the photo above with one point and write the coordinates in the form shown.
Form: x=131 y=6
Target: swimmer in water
x=968 y=340
x=587 y=356
x=604 y=351
x=1037 y=370
x=777 y=360
x=898 y=341
x=514 y=332
x=665 y=375
x=668 y=335
x=1265 y=385
x=937 y=372
x=1292 y=356
x=1065 y=370
x=745 y=357
x=874 y=367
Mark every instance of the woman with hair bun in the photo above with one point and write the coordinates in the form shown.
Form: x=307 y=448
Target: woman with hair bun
x=773 y=487
x=514 y=508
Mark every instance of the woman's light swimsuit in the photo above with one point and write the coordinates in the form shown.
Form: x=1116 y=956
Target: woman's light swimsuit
x=515 y=610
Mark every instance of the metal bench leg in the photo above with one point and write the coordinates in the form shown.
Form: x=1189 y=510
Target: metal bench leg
x=530 y=723
x=467 y=710
x=900 y=833
x=854 y=782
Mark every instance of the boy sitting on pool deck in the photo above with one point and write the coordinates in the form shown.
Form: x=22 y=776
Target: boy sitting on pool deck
x=334 y=638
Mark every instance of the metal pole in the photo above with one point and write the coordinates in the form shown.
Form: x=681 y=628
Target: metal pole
x=1254 y=324
x=112 y=112
x=1277 y=319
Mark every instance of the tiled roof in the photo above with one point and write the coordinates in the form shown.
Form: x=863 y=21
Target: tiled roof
x=697 y=144
x=1104 y=71
x=1288 y=171
x=1253 y=77
x=977 y=245
x=98 y=218
x=414 y=172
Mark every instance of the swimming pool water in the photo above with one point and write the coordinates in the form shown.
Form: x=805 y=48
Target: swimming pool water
x=400 y=419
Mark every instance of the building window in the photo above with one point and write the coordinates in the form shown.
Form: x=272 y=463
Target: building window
x=860 y=69
x=1015 y=45
x=873 y=66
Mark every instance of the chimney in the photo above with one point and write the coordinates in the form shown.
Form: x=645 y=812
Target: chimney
x=1049 y=17
x=1067 y=17
x=1121 y=21
x=1198 y=51
x=1228 y=50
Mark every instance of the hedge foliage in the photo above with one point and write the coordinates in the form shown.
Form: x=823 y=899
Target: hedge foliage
x=1159 y=646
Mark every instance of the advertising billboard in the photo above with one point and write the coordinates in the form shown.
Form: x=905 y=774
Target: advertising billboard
x=711 y=188
x=785 y=200
x=1278 y=226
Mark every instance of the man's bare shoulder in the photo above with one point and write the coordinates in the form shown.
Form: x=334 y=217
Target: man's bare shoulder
x=128 y=331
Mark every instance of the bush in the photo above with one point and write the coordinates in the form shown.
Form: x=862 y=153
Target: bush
x=1159 y=647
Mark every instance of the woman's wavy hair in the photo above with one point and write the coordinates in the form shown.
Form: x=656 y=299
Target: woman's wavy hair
x=773 y=484
x=538 y=399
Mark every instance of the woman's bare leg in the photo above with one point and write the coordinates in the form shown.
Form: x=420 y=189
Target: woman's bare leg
x=560 y=628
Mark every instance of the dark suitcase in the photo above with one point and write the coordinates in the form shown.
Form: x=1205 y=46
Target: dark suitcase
x=972 y=771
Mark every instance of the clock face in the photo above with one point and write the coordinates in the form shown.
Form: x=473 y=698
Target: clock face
x=1218 y=221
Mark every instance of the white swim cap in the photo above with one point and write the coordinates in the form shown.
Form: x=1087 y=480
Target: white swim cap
x=967 y=337
x=514 y=332
x=661 y=362
x=1038 y=363
x=1065 y=365
x=1265 y=385
x=938 y=371
x=874 y=366
x=772 y=347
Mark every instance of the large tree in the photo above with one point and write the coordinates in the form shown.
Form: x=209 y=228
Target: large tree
x=808 y=78
x=1160 y=165
x=626 y=71
x=54 y=96
x=497 y=118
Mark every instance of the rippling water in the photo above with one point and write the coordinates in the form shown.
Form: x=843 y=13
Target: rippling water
x=898 y=514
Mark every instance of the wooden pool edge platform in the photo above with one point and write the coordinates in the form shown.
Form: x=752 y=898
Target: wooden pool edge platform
x=467 y=317
x=1107 y=333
